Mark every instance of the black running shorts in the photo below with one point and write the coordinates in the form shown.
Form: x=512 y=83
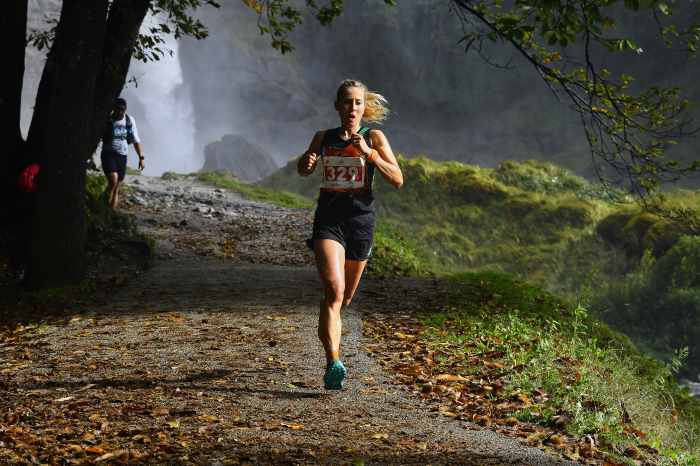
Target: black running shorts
x=355 y=233
x=113 y=162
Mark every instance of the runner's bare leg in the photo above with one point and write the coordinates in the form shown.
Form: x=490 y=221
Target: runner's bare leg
x=113 y=189
x=330 y=260
x=353 y=274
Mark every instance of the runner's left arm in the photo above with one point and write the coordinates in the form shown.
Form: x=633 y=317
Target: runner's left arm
x=384 y=159
x=137 y=143
x=137 y=146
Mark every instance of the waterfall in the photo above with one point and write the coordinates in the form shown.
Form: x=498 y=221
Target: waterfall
x=162 y=107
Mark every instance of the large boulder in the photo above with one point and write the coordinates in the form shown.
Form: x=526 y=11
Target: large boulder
x=234 y=153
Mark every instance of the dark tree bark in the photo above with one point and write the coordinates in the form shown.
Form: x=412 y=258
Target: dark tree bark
x=13 y=30
x=58 y=139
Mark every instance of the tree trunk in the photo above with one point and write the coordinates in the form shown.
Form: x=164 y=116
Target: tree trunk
x=58 y=139
x=13 y=30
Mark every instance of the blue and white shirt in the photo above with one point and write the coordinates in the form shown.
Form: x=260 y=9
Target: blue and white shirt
x=121 y=137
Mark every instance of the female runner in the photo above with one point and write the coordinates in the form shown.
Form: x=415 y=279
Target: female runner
x=344 y=220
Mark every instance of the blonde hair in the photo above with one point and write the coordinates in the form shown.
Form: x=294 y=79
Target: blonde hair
x=376 y=109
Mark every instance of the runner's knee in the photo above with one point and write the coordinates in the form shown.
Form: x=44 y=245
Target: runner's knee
x=334 y=293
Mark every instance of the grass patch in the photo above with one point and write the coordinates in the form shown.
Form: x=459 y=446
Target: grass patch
x=393 y=254
x=575 y=371
x=515 y=358
x=658 y=304
x=224 y=179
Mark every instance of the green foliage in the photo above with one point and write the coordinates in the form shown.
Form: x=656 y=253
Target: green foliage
x=172 y=176
x=628 y=129
x=461 y=216
x=97 y=208
x=287 y=179
x=105 y=224
x=680 y=267
x=393 y=254
x=658 y=304
x=636 y=231
x=225 y=179
x=538 y=176
x=595 y=382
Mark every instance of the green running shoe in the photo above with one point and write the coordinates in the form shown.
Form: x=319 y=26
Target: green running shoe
x=335 y=373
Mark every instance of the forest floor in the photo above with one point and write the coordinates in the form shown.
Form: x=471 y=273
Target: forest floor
x=211 y=357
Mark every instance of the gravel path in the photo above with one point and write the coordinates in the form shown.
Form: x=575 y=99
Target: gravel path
x=211 y=356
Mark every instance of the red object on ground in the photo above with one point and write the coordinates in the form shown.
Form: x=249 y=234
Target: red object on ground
x=27 y=181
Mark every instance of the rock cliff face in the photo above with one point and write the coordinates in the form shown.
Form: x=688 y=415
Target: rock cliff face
x=245 y=160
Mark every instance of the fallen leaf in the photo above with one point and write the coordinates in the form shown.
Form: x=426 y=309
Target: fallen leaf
x=380 y=436
x=493 y=365
x=293 y=425
x=95 y=449
x=174 y=424
x=160 y=412
x=64 y=399
x=450 y=378
x=105 y=457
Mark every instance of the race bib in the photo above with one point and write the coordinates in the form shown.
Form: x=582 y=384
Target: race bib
x=343 y=173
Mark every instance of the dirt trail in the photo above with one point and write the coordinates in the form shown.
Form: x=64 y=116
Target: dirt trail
x=211 y=357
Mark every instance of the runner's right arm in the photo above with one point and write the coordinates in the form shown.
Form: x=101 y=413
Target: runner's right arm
x=307 y=162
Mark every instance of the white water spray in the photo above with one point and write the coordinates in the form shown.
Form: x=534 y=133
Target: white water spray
x=162 y=107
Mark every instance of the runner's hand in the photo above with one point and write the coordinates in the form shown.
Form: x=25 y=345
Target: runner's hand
x=311 y=159
x=142 y=165
x=359 y=142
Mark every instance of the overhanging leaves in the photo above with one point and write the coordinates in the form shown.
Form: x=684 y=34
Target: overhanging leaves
x=629 y=130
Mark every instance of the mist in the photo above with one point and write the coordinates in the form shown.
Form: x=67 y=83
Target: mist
x=155 y=92
x=163 y=111
x=446 y=105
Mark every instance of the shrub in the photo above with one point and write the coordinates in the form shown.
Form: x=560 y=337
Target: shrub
x=659 y=304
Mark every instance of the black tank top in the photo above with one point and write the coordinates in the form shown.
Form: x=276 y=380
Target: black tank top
x=356 y=201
